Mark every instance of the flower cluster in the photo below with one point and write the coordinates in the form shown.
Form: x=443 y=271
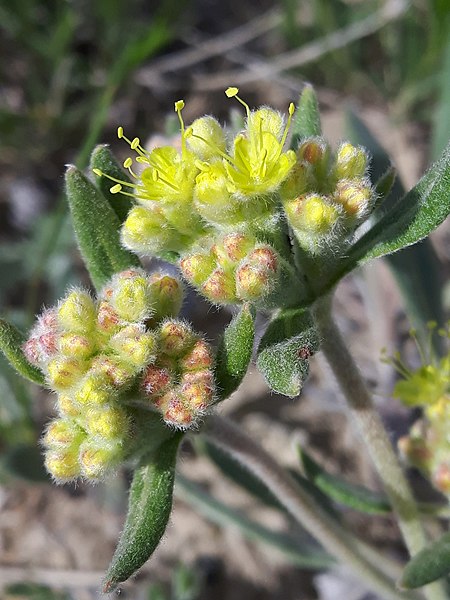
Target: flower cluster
x=102 y=355
x=247 y=192
x=428 y=444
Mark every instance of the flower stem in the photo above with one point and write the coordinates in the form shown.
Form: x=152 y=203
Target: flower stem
x=299 y=504
x=367 y=420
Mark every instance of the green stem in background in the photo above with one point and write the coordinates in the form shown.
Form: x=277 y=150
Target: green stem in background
x=300 y=505
x=368 y=422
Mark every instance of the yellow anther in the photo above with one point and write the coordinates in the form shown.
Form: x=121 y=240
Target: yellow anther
x=120 y=132
x=127 y=163
x=291 y=109
x=115 y=189
x=231 y=92
x=135 y=143
x=179 y=105
x=97 y=172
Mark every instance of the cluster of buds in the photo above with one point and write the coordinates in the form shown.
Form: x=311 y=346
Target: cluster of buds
x=427 y=446
x=326 y=195
x=236 y=268
x=213 y=189
x=96 y=355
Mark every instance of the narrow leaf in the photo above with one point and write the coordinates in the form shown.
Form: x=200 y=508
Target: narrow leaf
x=343 y=492
x=11 y=341
x=235 y=352
x=306 y=121
x=430 y=564
x=298 y=552
x=285 y=349
x=149 y=508
x=103 y=159
x=97 y=229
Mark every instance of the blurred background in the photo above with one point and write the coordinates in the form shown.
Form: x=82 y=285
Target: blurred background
x=71 y=72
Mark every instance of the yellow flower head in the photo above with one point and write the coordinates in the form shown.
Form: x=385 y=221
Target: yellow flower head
x=258 y=164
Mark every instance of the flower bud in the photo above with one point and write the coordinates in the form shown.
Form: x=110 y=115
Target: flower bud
x=134 y=345
x=212 y=197
x=199 y=357
x=77 y=312
x=107 y=422
x=96 y=460
x=220 y=287
x=253 y=281
x=206 y=138
x=63 y=464
x=108 y=320
x=197 y=267
x=64 y=372
x=156 y=380
x=131 y=296
x=174 y=411
x=313 y=214
x=198 y=394
x=94 y=389
x=265 y=119
x=175 y=338
x=297 y=182
x=354 y=195
x=232 y=248
x=78 y=346
x=39 y=348
x=166 y=295
x=351 y=161
x=314 y=151
x=146 y=230
x=63 y=433
x=67 y=407
x=117 y=372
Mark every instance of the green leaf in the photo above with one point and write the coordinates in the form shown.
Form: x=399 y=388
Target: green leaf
x=298 y=552
x=103 y=159
x=285 y=349
x=97 y=229
x=235 y=352
x=343 y=492
x=149 y=508
x=11 y=341
x=431 y=563
x=306 y=121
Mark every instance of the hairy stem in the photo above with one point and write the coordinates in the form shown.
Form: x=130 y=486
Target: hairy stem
x=367 y=420
x=300 y=505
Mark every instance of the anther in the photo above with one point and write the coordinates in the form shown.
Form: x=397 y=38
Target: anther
x=120 y=132
x=115 y=189
x=232 y=92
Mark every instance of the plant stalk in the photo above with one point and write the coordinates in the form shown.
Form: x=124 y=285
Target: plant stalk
x=368 y=422
x=301 y=506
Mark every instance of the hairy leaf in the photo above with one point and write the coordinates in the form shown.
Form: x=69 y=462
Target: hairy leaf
x=103 y=159
x=97 y=229
x=11 y=341
x=149 y=508
x=306 y=121
x=285 y=349
x=431 y=563
x=235 y=352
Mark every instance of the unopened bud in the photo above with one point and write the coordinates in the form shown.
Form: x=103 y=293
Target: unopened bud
x=94 y=389
x=174 y=411
x=108 y=422
x=206 y=138
x=62 y=433
x=67 y=407
x=354 y=195
x=220 y=287
x=199 y=357
x=253 y=281
x=233 y=248
x=197 y=267
x=351 y=161
x=166 y=294
x=107 y=319
x=146 y=230
x=64 y=372
x=312 y=213
x=96 y=459
x=77 y=312
x=78 y=346
x=156 y=380
x=115 y=370
x=175 y=338
x=265 y=119
x=197 y=395
x=134 y=345
x=131 y=297
x=63 y=464
x=313 y=151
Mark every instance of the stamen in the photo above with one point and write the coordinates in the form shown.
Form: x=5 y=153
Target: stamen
x=115 y=189
x=425 y=359
x=179 y=105
x=190 y=133
x=288 y=125
x=120 y=132
x=156 y=176
x=232 y=92
x=127 y=164
x=102 y=174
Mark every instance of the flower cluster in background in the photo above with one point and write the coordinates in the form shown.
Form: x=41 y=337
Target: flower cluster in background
x=102 y=355
x=428 y=444
x=232 y=209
